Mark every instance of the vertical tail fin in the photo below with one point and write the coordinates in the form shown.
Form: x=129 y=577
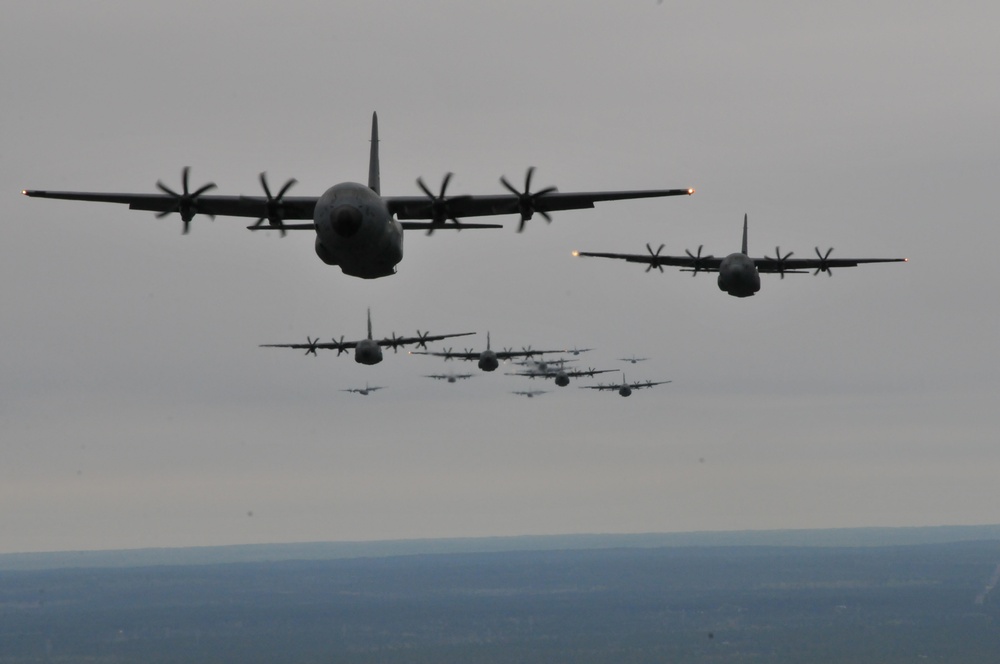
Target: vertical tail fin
x=373 y=173
x=745 y=234
x=369 y=322
x=487 y=340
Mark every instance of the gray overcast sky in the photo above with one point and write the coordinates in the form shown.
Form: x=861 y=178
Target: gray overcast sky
x=136 y=409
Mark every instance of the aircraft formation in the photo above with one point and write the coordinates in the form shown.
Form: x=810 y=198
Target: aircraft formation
x=360 y=230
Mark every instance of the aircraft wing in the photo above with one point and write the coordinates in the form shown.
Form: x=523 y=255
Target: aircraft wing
x=421 y=207
x=293 y=207
x=448 y=376
x=600 y=387
x=421 y=339
x=819 y=264
x=638 y=385
x=449 y=355
x=576 y=373
x=313 y=346
x=691 y=262
x=526 y=352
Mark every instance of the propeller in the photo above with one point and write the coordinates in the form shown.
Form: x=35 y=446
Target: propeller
x=526 y=200
x=274 y=210
x=185 y=204
x=824 y=265
x=439 y=205
x=654 y=258
x=527 y=351
x=780 y=260
x=422 y=339
x=697 y=260
x=312 y=345
x=394 y=342
x=447 y=356
x=339 y=345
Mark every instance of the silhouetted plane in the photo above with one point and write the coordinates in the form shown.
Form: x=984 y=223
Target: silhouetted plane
x=357 y=228
x=739 y=275
x=368 y=350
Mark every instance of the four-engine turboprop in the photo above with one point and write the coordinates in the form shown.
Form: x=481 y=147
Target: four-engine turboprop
x=451 y=377
x=739 y=274
x=368 y=350
x=528 y=393
x=625 y=388
x=560 y=376
x=357 y=228
x=365 y=391
x=489 y=359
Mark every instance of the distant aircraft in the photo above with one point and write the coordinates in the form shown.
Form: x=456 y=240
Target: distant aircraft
x=633 y=359
x=561 y=376
x=356 y=226
x=450 y=377
x=625 y=389
x=368 y=350
x=543 y=364
x=576 y=351
x=529 y=393
x=739 y=275
x=489 y=359
x=366 y=390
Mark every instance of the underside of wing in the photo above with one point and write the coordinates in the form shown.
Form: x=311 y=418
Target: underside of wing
x=325 y=345
x=448 y=355
x=651 y=259
x=422 y=207
x=298 y=207
x=431 y=226
x=587 y=372
x=421 y=339
x=822 y=263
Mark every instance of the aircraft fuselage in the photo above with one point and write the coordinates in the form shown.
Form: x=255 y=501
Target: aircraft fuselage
x=355 y=231
x=368 y=352
x=738 y=275
x=624 y=390
x=488 y=360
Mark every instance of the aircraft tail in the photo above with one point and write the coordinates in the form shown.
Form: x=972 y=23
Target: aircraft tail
x=487 y=340
x=745 y=234
x=369 y=323
x=373 y=173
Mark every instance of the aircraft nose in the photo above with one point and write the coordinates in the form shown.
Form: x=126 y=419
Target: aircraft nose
x=346 y=220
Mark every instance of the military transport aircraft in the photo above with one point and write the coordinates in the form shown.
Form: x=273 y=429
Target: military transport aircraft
x=356 y=226
x=369 y=350
x=625 y=389
x=561 y=376
x=489 y=359
x=633 y=359
x=529 y=393
x=366 y=390
x=739 y=275
x=450 y=377
x=543 y=364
